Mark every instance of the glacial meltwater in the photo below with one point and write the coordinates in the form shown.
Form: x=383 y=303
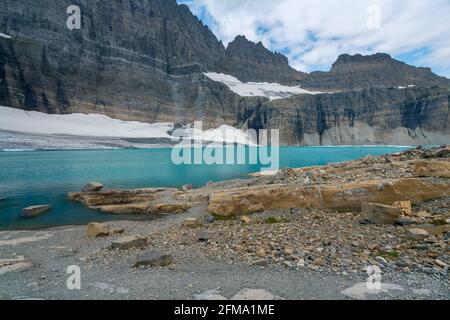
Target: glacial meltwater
x=45 y=177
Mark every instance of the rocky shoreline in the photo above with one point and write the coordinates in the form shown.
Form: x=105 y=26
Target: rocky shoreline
x=305 y=233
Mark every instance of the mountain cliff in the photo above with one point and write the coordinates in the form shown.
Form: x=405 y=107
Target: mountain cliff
x=251 y=62
x=145 y=60
x=378 y=70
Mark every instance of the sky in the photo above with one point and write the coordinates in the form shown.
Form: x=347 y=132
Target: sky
x=312 y=34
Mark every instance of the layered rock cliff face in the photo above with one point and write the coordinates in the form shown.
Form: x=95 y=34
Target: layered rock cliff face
x=378 y=70
x=251 y=62
x=144 y=60
x=374 y=116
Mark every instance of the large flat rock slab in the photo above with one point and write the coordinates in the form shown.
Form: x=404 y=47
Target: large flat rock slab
x=432 y=169
x=339 y=197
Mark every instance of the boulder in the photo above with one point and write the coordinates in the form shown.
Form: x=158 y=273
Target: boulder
x=98 y=230
x=92 y=187
x=417 y=234
x=254 y=295
x=379 y=213
x=432 y=169
x=154 y=259
x=187 y=187
x=343 y=197
x=128 y=242
x=404 y=206
x=36 y=211
x=205 y=236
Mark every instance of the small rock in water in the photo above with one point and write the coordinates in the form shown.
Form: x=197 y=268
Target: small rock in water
x=92 y=187
x=35 y=211
x=98 y=229
x=154 y=259
x=129 y=242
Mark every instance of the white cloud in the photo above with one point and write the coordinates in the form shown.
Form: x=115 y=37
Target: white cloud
x=314 y=33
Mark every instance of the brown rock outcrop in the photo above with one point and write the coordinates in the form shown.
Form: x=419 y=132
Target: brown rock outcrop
x=340 y=197
x=432 y=169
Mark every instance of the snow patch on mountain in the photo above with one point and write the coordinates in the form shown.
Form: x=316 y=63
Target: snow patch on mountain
x=273 y=91
x=77 y=124
x=101 y=126
x=223 y=134
x=2 y=35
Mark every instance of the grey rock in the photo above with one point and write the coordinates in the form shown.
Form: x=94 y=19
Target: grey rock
x=154 y=259
x=205 y=236
x=379 y=213
x=210 y=218
x=92 y=187
x=404 y=222
x=36 y=211
x=417 y=234
x=128 y=242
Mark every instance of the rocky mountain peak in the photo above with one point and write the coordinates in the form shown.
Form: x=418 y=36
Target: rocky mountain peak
x=351 y=72
x=346 y=59
x=250 y=61
x=242 y=47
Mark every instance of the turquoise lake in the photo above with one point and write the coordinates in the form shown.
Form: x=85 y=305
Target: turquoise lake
x=45 y=177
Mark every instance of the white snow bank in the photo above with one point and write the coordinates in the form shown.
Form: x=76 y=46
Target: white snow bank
x=101 y=126
x=77 y=124
x=2 y=35
x=273 y=91
x=223 y=134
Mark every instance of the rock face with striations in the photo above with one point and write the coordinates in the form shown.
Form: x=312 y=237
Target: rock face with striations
x=144 y=60
x=378 y=70
x=251 y=62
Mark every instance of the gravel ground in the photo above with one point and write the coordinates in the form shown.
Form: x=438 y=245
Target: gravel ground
x=108 y=274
